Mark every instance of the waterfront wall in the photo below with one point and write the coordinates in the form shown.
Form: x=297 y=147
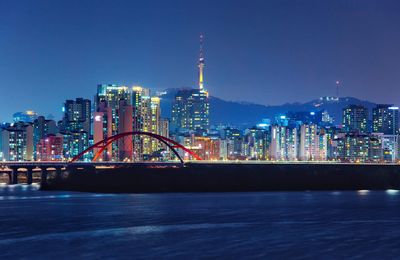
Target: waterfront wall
x=230 y=177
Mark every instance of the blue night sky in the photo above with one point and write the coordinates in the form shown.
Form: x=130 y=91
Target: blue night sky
x=268 y=52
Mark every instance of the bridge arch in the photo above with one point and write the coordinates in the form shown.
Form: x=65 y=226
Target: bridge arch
x=103 y=144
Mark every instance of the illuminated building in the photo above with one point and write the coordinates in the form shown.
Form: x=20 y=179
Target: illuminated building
x=77 y=115
x=331 y=133
x=355 y=147
x=164 y=127
x=321 y=147
x=125 y=112
x=301 y=117
x=75 y=142
x=155 y=122
x=76 y=126
x=281 y=120
x=181 y=116
x=108 y=96
x=292 y=144
x=308 y=150
x=141 y=119
x=50 y=148
x=223 y=149
x=234 y=142
x=26 y=117
x=147 y=118
x=141 y=103
x=277 y=145
x=102 y=128
x=111 y=94
x=375 y=151
x=326 y=118
x=336 y=147
x=190 y=110
x=16 y=142
x=385 y=119
x=390 y=146
x=284 y=143
x=207 y=148
x=42 y=128
x=164 y=131
x=256 y=140
x=355 y=119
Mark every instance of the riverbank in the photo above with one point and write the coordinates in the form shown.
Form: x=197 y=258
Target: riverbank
x=223 y=177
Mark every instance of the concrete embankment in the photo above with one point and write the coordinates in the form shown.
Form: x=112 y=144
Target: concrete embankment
x=203 y=177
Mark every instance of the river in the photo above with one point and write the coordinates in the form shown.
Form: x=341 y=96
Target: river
x=47 y=224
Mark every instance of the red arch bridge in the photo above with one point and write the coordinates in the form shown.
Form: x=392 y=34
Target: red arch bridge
x=103 y=144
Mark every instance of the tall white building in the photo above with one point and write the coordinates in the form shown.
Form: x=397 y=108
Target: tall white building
x=284 y=143
x=308 y=142
x=16 y=142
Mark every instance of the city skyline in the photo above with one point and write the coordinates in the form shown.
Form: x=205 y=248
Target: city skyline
x=245 y=50
x=165 y=129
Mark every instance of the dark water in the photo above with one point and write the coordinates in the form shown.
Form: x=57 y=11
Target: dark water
x=39 y=224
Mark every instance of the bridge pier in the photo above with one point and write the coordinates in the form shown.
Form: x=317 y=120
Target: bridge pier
x=29 y=175
x=58 y=172
x=27 y=168
x=43 y=179
x=14 y=175
x=9 y=177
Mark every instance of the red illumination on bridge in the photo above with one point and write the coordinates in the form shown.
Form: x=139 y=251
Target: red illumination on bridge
x=103 y=144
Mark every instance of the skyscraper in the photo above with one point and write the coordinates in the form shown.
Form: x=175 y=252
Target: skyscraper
x=155 y=122
x=355 y=118
x=125 y=125
x=385 y=119
x=308 y=150
x=42 y=128
x=181 y=111
x=108 y=98
x=16 y=142
x=102 y=128
x=76 y=127
x=191 y=109
x=112 y=94
x=77 y=115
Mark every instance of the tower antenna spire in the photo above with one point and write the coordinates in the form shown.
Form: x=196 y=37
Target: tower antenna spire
x=201 y=63
x=337 y=89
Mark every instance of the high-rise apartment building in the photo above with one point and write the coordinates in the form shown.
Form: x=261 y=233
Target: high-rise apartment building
x=284 y=143
x=146 y=118
x=76 y=127
x=355 y=119
x=125 y=144
x=42 y=128
x=16 y=142
x=102 y=128
x=112 y=94
x=385 y=119
x=50 y=148
x=77 y=115
x=355 y=147
x=308 y=142
x=107 y=100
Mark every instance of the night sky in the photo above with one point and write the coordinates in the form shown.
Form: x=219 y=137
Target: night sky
x=268 y=52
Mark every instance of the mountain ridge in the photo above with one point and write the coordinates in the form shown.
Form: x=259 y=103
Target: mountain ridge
x=247 y=114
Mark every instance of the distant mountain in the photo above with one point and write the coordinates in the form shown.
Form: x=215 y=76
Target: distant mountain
x=245 y=114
